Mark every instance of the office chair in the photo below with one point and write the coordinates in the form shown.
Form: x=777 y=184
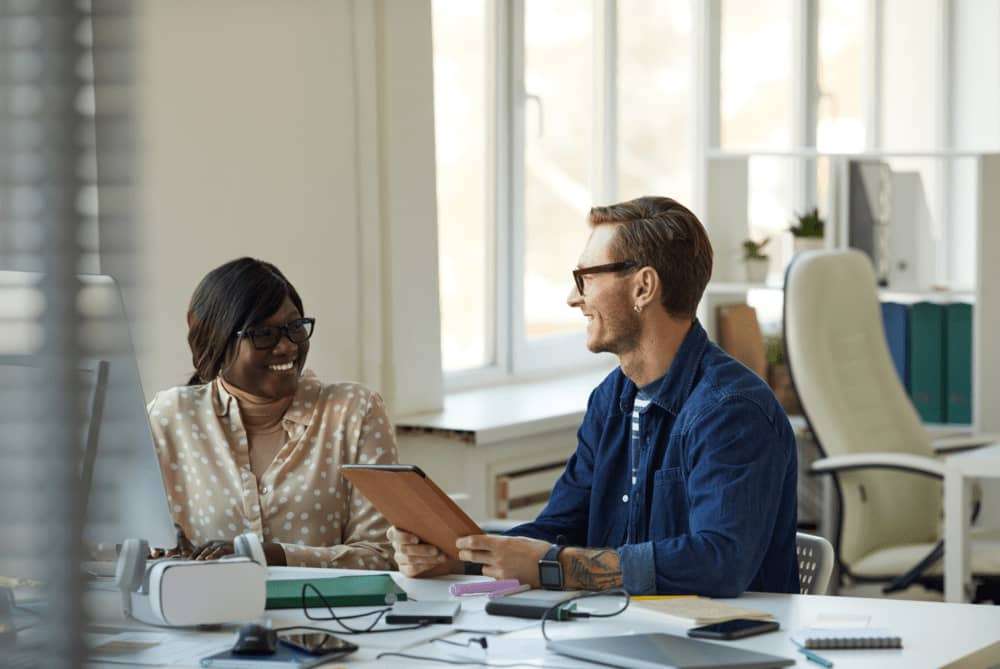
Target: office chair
x=815 y=555
x=870 y=437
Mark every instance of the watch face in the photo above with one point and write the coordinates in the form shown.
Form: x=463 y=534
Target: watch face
x=550 y=574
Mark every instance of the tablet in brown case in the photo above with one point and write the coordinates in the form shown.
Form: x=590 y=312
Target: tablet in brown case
x=413 y=503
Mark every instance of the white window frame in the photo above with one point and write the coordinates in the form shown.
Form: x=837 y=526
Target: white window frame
x=512 y=356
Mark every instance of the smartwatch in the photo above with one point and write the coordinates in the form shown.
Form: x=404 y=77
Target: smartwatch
x=550 y=572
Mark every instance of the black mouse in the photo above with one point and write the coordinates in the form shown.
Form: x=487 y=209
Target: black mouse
x=255 y=639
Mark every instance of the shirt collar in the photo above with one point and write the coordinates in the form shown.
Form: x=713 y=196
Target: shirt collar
x=675 y=387
x=301 y=411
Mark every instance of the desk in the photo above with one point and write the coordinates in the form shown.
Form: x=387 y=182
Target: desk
x=934 y=634
x=961 y=470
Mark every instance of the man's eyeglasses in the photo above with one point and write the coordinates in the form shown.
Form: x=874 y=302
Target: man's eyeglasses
x=600 y=269
x=267 y=337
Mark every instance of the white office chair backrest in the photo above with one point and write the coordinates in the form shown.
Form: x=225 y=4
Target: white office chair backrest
x=815 y=556
x=855 y=403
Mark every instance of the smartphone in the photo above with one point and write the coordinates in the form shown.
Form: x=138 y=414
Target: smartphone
x=734 y=629
x=318 y=643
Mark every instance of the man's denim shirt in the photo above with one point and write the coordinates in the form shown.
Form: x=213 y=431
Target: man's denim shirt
x=713 y=510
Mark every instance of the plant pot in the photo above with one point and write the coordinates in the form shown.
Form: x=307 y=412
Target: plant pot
x=756 y=269
x=807 y=244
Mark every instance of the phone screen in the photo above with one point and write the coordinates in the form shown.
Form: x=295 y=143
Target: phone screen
x=318 y=643
x=734 y=626
x=733 y=629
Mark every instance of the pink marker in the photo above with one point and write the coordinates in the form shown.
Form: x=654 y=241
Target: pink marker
x=513 y=591
x=482 y=587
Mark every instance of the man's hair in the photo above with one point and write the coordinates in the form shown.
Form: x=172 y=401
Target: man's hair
x=661 y=233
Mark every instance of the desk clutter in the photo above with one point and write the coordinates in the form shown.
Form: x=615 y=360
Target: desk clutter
x=651 y=627
x=690 y=610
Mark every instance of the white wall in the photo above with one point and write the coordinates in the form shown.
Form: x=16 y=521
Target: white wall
x=258 y=137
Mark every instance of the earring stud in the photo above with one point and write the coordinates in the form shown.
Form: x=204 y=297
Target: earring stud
x=637 y=308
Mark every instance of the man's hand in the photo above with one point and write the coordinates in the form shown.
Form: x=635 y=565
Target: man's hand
x=504 y=557
x=416 y=558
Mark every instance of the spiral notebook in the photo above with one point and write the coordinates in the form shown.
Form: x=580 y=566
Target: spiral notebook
x=862 y=637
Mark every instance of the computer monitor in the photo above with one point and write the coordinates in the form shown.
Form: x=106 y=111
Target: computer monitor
x=118 y=463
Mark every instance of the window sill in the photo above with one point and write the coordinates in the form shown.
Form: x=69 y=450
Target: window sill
x=501 y=413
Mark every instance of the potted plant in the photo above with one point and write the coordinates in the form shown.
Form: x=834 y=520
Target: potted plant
x=755 y=261
x=808 y=232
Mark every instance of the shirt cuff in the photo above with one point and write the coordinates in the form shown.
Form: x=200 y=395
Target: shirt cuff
x=638 y=569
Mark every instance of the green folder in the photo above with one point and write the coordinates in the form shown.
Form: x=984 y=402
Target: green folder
x=958 y=363
x=360 y=590
x=927 y=348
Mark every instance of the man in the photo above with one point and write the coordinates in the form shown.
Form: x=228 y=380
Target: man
x=684 y=477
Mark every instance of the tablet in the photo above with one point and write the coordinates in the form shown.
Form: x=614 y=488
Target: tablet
x=413 y=503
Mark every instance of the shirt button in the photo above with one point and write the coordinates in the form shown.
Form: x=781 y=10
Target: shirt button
x=625 y=498
x=264 y=490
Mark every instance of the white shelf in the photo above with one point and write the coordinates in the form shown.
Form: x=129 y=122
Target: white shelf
x=739 y=154
x=890 y=295
x=738 y=287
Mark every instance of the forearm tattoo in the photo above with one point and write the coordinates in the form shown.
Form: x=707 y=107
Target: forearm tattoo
x=592 y=569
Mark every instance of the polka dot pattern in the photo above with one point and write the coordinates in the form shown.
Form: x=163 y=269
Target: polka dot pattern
x=300 y=500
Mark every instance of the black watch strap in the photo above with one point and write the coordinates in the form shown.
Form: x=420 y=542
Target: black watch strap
x=550 y=572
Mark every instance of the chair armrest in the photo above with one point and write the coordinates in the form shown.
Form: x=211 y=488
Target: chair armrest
x=966 y=442
x=915 y=464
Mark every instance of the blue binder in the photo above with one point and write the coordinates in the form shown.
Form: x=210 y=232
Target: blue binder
x=896 y=321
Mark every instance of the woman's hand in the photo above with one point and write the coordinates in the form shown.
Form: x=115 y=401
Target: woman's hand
x=184 y=548
x=416 y=558
x=213 y=550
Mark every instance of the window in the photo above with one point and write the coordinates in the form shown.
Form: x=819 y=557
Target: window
x=465 y=225
x=544 y=109
x=548 y=107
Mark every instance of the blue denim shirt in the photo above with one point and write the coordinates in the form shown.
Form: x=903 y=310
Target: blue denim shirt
x=713 y=510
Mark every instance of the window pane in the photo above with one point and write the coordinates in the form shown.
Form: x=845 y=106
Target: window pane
x=558 y=79
x=756 y=65
x=465 y=227
x=655 y=48
x=840 y=119
x=908 y=66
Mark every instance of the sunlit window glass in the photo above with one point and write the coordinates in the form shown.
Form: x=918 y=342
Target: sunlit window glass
x=464 y=224
x=655 y=51
x=558 y=80
x=756 y=73
x=840 y=120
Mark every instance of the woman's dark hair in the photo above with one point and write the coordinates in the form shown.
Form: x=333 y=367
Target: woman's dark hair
x=232 y=297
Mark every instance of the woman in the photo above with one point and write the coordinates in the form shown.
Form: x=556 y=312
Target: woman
x=254 y=442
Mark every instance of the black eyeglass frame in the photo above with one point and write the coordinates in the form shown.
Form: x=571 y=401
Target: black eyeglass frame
x=600 y=269
x=283 y=331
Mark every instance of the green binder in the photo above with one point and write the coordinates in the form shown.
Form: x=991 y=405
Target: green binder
x=927 y=360
x=958 y=363
x=360 y=590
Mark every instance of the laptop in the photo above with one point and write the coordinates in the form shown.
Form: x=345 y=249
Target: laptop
x=655 y=651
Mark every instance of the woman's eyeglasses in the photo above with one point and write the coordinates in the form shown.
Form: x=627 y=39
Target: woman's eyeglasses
x=268 y=336
x=600 y=269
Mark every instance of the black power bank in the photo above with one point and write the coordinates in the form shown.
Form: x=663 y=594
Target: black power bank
x=419 y=613
x=525 y=607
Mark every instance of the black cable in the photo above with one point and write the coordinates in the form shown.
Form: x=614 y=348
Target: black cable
x=478 y=640
x=587 y=595
x=339 y=619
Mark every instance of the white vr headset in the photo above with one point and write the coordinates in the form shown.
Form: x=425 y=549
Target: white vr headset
x=181 y=593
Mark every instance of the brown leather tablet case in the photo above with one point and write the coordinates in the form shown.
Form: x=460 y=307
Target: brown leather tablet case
x=413 y=503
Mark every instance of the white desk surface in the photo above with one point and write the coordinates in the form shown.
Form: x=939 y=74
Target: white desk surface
x=934 y=634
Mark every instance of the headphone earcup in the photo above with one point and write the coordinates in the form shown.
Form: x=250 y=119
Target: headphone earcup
x=131 y=566
x=249 y=545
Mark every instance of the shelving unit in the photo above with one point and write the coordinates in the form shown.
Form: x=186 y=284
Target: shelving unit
x=951 y=226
